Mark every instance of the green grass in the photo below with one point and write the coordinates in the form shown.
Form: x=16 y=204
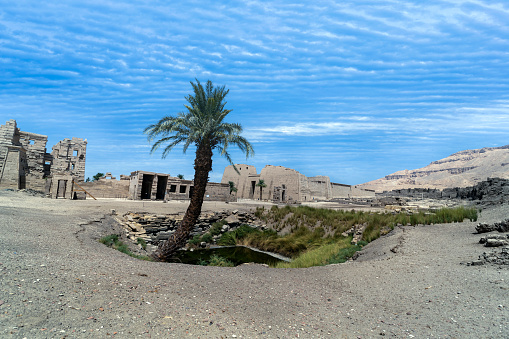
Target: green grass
x=308 y=244
x=216 y=227
x=113 y=242
x=216 y=260
x=321 y=255
x=142 y=242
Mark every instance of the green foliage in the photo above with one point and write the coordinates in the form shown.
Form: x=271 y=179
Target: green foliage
x=232 y=187
x=308 y=244
x=202 y=125
x=142 y=242
x=231 y=238
x=113 y=242
x=207 y=237
x=261 y=183
x=259 y=212
x=195 y=240
x=98 y=176
x=216 y=227
x=180 y=176
x=109 y=240
x=216 y=260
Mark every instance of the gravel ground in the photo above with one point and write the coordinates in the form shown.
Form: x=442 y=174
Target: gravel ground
x=58 y=281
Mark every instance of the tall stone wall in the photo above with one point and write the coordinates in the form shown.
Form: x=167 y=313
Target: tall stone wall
x=242 y=180
x=341 y=191
x=286 y=180
x=38 y=170
x=69 y=156
x=13 y=159
x=319 y=188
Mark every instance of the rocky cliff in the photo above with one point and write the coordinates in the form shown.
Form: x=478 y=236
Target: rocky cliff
x=461 y=169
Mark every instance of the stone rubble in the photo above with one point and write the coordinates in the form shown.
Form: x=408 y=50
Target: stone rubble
x=502 y=226
x=496 y=241
x=154 y=229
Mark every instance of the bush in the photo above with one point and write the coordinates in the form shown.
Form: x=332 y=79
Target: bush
x=195 y=240
x=217 y=227
x=207 y=237
x=216 y=260
x=113 y=242
x=142 y=242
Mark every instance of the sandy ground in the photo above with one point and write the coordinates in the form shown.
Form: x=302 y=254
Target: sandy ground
x=58 y=281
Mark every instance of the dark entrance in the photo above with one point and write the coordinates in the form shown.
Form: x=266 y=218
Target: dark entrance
x=62 y=186
x=251 y=192
x=191 y=191
x=146 y=186
x=162 y=182
x=22 y=182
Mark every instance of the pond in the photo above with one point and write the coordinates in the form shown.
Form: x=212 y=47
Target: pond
x=237 y=254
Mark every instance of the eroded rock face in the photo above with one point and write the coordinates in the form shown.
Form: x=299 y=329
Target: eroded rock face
x=493 y=191
x=461 y=169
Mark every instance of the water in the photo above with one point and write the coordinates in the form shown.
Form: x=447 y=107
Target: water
x=236 y=254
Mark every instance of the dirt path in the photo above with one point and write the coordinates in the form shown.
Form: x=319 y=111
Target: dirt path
x=57 y=281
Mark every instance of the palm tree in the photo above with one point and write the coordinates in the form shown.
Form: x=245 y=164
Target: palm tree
x=180 y=176
x=232 y=187
x=202 y=125
x=261 y=183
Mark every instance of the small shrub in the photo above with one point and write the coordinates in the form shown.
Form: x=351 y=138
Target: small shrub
x=259 y=212
x=113 y=242
x=217 y=227
x=216 y=260
x=109 y=240
x=207 y=237
x=142 y=242
x=195 y=240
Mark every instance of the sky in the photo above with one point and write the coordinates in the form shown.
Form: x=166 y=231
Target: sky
x=354 y=90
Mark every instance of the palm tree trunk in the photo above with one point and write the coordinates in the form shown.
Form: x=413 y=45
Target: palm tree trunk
x=202 y=167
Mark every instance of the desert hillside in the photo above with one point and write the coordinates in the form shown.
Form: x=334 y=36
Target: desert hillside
x=461 y=169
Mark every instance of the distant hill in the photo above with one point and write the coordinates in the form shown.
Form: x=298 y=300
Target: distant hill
x=462 y=169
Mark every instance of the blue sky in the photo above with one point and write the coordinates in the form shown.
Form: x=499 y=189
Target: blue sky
x=350 y=89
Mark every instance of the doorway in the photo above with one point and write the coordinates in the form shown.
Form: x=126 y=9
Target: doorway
x=62 y=186
x=162 y=182
x=146 y=186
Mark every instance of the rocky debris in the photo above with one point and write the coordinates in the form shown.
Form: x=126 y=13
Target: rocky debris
x=493 y=191
x=156 y=228
x=502 y=226
x=497 y=258
x=356 y=231
x=495 y=240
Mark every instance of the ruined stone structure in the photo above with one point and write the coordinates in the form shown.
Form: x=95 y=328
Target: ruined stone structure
x=159 y=186
x=24 y=162
x=287 y=185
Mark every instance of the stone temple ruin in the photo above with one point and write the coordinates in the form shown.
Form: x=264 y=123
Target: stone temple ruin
x=143 y=185
x=25 y=164
x=287 y=185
